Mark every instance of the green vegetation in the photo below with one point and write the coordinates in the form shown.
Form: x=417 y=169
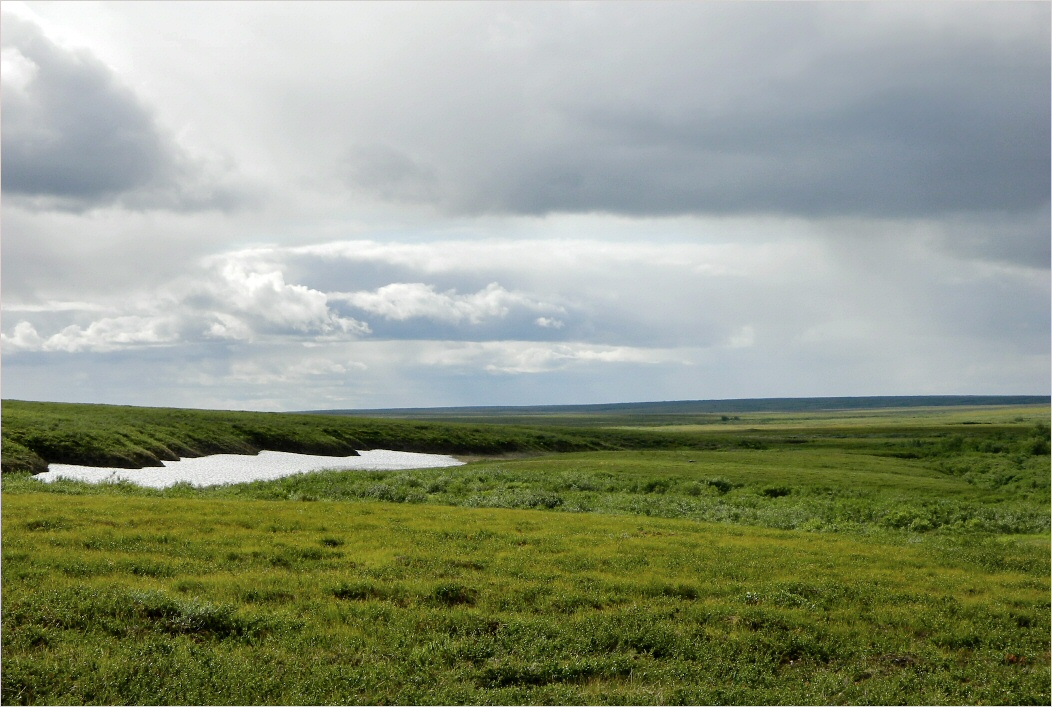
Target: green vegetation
x=36 y=434
x=816 y=490
x=872 y=556
x=145 y=600
x=695 y=411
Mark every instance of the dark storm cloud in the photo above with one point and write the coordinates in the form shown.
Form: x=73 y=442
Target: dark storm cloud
x=901 y=154
x=675 y=109
x=75 y=137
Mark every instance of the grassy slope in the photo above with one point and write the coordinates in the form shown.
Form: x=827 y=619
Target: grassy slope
x=795 y=488
x=928 y=583
x=150 y=600
x=911 y=470
x=35 y=434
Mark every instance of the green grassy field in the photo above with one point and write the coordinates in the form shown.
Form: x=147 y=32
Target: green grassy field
x=805 y=558
x=702 y=411
x=35 y=434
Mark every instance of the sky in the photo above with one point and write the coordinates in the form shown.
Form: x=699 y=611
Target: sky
x=289 y=206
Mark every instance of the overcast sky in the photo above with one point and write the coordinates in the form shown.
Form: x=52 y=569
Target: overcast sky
x=284 y=206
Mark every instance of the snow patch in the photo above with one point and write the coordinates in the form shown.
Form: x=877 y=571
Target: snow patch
x=241 y=468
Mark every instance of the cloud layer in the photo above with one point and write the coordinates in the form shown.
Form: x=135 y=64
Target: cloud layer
x=812 y=110
x=712 y=312
x=369 y=205
x=75 y=136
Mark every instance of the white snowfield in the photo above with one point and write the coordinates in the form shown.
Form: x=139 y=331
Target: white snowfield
x=240 y=468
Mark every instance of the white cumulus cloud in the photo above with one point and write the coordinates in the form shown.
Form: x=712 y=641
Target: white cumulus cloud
x=24 y=337
x=230 y=299
x=407 y=300
x=106 y=334
x=262 y=297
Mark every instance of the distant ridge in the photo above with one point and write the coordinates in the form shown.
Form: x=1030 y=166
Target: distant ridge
x=712 y=406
